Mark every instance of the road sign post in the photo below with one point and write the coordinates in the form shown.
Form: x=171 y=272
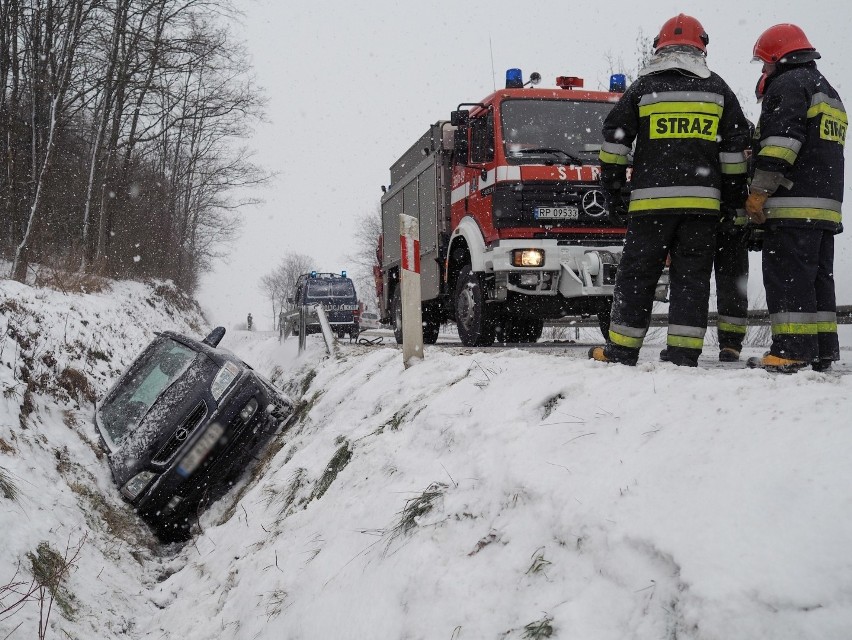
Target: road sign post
x=412 y=316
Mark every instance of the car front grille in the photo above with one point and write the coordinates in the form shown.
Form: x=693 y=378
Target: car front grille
x=180 y=434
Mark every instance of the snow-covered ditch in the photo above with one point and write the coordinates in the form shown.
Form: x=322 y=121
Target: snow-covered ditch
x=504 y=494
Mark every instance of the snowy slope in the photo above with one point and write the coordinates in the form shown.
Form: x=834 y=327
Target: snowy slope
x=504 y=494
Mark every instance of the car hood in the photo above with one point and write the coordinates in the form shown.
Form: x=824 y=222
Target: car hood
x=173 y=408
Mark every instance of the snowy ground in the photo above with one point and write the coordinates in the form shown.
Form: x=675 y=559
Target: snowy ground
x=501 y=494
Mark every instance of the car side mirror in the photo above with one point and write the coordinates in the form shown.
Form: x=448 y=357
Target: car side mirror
x=214 y=337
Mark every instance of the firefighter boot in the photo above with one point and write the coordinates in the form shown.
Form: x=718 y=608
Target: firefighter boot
x=776 y=364
x=605 y=354
x=821 y=364
x=729 y=354
x=666 y=356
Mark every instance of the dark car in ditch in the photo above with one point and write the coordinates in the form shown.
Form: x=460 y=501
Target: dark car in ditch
x=181 y=424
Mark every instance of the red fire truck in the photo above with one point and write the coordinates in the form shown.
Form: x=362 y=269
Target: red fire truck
x=514 y=229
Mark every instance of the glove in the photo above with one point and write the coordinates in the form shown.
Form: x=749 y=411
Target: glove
x=754 y=206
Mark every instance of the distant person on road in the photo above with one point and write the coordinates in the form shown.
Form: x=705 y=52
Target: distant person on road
x=796 y=193
x=248 y=322
x=689 y=164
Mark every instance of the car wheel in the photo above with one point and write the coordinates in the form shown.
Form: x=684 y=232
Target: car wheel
x=473 y=317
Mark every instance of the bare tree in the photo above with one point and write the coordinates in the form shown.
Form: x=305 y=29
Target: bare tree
x=279 y=285
x=365 y=238
x=55 y=34
x=644 y=49
x=120 y=123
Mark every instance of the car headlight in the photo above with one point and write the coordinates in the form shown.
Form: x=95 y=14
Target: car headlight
x=224 y=379
x=137 y=484
x=248 y=410
x=527 y=257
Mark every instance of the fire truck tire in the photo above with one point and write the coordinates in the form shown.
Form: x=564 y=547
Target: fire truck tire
x=604 y=318
x=476 y=322
x=396 y=314
x=431 y=324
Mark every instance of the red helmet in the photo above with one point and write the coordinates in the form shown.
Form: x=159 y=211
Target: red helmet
x=784 y=40
x=682 y=29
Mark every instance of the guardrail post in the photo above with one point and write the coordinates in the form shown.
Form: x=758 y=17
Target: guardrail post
x=303 y=323
x=412 y=314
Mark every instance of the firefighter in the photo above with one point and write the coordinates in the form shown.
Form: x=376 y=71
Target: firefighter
x=689 y=163
x=797 y=190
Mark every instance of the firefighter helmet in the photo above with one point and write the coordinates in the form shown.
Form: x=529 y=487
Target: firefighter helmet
x=682 y=29
x=784 y=41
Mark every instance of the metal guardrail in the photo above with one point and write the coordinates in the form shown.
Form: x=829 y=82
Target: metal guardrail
x=756 y=318
x=301 y=317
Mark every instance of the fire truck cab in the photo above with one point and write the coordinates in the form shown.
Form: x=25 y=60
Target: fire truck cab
x=513 y=224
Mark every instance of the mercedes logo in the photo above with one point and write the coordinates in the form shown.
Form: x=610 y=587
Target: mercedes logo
x=594 y=203
x=180 y=434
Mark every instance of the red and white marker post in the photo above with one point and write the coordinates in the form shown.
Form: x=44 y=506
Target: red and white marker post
x=412 y=315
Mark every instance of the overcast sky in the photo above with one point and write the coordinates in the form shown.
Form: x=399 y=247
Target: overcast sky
x=351 y=86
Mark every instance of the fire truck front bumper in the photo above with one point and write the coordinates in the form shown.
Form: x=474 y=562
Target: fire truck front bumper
x=569 y=271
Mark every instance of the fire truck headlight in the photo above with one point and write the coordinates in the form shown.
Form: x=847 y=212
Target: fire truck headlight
x=527 y=257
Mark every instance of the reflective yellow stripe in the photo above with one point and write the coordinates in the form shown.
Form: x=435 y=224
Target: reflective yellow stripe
x=826 y=327
x=651 y=204
x=795 y=328
x=624 y=341
x=733 y=168
x=681 y=107
x=827 y=109
x=612 y=158
x=782 y=153
x=686 y=343
x=802 y=213
x=731 y=328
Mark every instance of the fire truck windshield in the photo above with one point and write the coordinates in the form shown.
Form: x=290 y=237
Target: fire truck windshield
x=539 y=130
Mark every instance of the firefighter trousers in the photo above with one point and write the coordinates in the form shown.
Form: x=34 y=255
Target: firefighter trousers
x=730 y=264
x=690 y=240
x=798 y=274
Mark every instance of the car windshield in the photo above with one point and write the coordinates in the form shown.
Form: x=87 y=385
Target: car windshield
x=158 y=368
x=322 y=289
x=538 y=131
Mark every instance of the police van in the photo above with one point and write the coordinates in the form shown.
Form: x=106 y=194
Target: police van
x=336 y=293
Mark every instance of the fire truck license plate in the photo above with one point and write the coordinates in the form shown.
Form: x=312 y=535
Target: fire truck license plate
x=556 y=213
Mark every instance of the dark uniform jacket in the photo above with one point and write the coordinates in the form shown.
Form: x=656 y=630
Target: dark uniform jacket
x=690 y=135
x=801 y=132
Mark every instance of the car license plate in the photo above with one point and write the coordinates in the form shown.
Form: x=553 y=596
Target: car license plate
x=556 y=213
x=200 y=449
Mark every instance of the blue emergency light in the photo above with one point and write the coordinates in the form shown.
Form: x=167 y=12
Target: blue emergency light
x=313 y=274
x=342 y=274
x=514 y=79
x=618 y=83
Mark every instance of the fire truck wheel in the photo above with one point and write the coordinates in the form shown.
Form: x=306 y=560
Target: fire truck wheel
x=396 y=314
x=475 y=321
x=604 y=318
x=431 y=324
